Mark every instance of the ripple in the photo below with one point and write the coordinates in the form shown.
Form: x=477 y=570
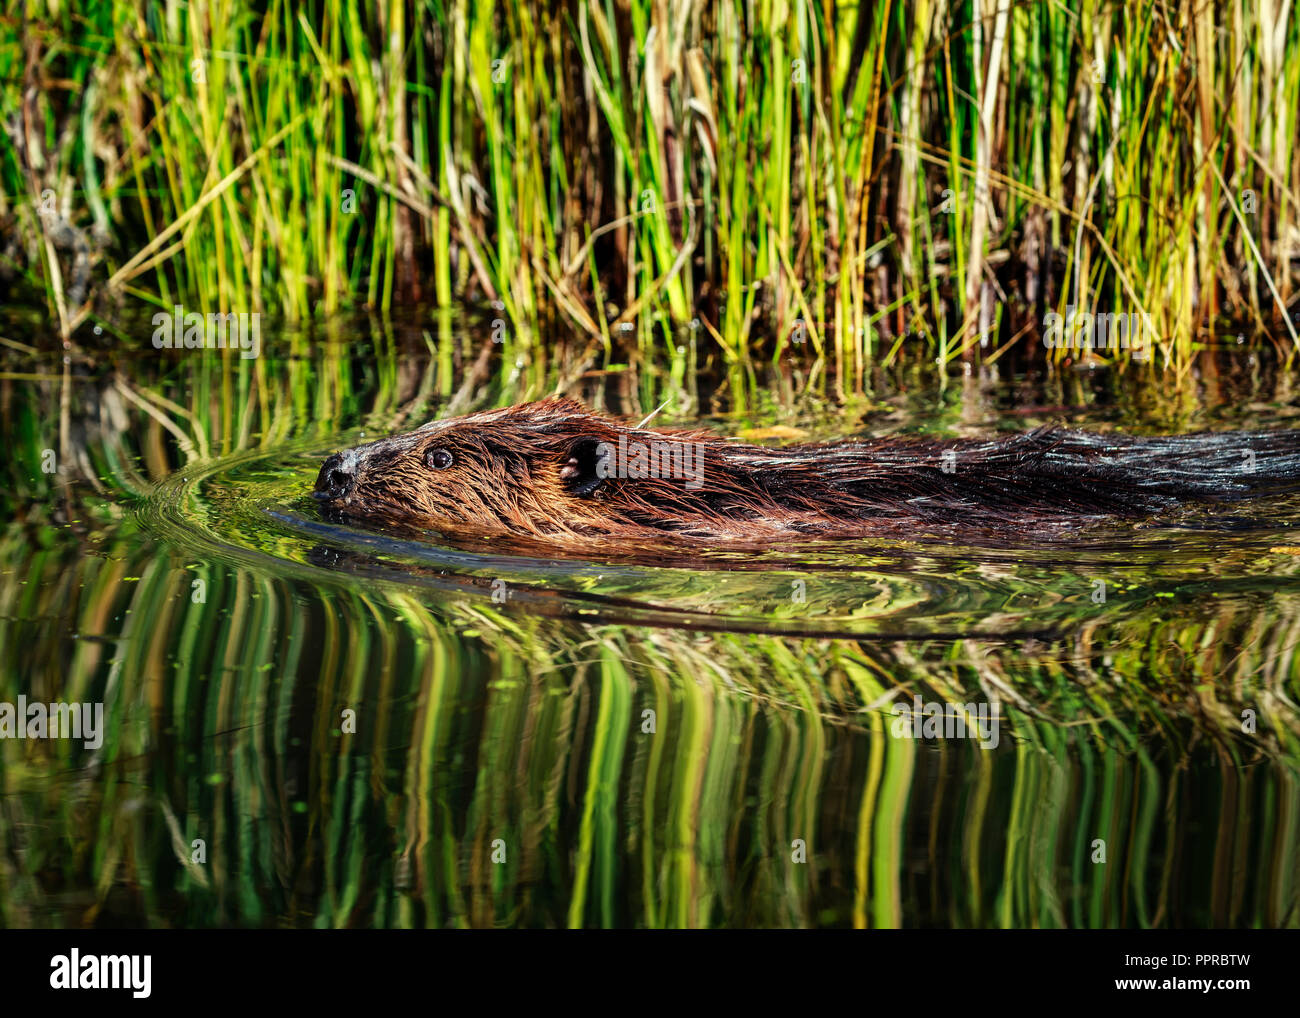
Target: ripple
x=252 y=509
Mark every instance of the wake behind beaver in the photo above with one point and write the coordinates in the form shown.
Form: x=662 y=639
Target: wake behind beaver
x=555 y=471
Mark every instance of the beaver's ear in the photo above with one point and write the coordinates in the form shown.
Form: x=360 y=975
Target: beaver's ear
x=584 y=466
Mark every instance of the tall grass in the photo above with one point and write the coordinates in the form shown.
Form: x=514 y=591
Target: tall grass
x=859 y=179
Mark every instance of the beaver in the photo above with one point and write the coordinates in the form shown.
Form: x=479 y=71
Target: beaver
x=553 y=470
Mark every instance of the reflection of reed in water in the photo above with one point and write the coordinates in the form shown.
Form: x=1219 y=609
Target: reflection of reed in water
x=480 y=733
x=475 y=724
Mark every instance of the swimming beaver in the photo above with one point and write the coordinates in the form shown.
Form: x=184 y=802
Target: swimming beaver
x=553 y=470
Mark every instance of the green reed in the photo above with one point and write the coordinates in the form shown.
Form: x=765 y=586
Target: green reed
x=862 y=179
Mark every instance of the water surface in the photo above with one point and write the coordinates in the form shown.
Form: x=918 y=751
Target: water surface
x=316 y=724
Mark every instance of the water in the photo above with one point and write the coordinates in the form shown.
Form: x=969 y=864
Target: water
x=316 y=724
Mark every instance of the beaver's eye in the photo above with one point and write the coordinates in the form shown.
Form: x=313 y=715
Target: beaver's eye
x=439 y=459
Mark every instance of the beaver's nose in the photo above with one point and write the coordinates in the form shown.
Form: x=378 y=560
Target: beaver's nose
x=337 y=477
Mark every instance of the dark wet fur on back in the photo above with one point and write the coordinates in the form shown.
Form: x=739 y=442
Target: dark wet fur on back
x=530 y=470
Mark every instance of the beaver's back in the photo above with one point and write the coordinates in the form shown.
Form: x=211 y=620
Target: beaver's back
x=543 y=469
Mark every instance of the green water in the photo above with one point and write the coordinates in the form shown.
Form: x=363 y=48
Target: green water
x=310 y=724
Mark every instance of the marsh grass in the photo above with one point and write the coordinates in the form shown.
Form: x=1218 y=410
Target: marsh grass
x=866 y=181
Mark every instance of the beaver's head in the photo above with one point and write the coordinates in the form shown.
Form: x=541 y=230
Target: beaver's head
x=533 y=469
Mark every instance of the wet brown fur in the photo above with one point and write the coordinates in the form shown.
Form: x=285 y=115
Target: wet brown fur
x=527 y=471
